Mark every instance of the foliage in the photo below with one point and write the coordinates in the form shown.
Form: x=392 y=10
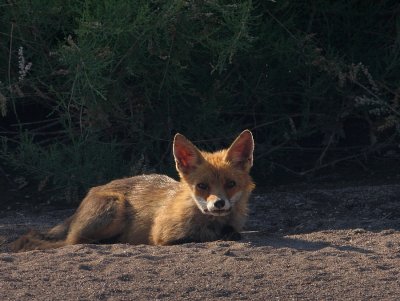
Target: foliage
x=93 y=90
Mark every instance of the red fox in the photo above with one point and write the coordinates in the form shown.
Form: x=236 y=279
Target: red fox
x=208 y=203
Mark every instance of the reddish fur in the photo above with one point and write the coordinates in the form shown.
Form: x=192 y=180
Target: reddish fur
x=155 y=209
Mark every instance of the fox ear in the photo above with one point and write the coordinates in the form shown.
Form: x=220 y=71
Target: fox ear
x=187 y=156
x=240 y=153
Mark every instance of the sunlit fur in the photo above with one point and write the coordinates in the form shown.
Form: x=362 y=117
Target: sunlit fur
x=155 y=209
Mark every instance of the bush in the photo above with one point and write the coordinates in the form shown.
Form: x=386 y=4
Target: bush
x=93 y=90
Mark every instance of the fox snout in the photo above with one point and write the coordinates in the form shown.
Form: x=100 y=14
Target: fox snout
x=218 y=206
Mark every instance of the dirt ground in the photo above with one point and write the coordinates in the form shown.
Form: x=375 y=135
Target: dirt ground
x=299 y=244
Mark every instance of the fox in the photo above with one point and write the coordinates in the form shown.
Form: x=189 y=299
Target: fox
x=208 y=203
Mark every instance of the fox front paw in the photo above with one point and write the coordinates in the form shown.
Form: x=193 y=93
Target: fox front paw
x=229 y=233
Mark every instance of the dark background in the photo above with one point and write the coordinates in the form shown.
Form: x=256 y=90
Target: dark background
x=95 y=90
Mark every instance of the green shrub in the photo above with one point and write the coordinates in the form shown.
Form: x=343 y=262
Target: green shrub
x=95 y=90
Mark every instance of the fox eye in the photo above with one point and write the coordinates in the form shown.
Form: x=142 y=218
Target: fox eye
x=202 y=186
x=230 y=184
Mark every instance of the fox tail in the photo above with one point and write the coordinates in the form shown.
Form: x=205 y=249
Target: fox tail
x=34 y=240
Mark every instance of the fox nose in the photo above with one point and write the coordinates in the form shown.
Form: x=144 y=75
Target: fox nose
x=219 y=204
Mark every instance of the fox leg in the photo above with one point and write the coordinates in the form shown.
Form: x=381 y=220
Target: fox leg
x=58 y=232
x=101 y=216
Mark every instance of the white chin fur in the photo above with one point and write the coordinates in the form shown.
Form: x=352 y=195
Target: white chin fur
x=218 y=213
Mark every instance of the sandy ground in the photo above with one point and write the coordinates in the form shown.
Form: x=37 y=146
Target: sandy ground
x=299 y=244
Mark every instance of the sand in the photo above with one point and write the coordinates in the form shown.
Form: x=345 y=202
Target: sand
x=307 y=244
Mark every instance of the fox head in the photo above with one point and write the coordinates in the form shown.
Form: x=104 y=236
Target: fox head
x=218 y=181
